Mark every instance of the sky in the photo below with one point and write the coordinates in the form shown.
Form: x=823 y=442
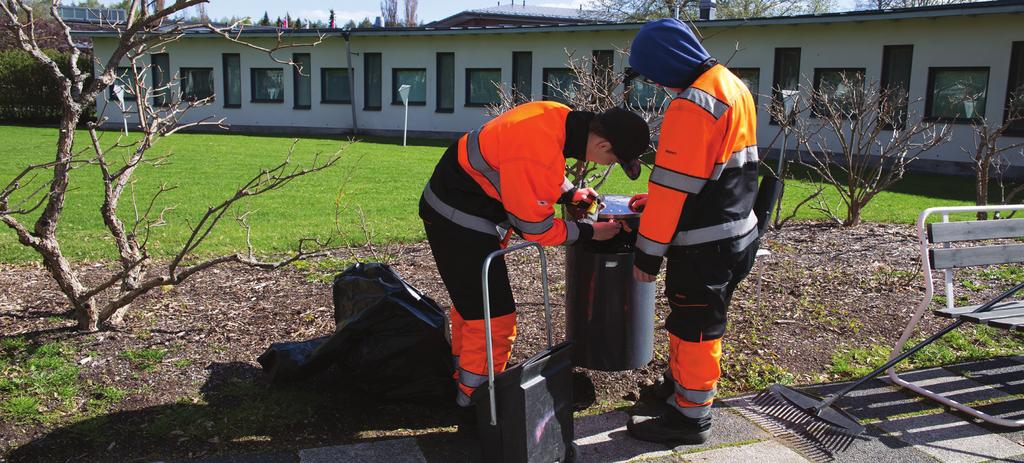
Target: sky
x=428 y=10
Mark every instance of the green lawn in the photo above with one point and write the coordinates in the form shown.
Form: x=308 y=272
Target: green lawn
x=378 y=176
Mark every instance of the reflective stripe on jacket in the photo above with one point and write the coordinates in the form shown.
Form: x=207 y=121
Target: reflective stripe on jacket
x=512 y=170
x=704 y=180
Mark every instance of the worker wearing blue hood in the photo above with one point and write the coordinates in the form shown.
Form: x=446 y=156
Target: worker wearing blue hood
x=698 y=214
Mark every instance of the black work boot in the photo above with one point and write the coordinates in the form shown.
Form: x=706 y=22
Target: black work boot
x=664 y=386
x=466 y=426
x=669 y=428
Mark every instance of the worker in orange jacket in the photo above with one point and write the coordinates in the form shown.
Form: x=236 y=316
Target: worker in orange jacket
x=510 y=173
x=697 y=212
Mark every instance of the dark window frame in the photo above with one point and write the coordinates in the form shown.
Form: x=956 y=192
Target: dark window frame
x=817 y=83
x=545 y=88
x=437 y=83
x=627 y=86
x=379 y=67
x=183 y=70
x=323 y=86
x=928 y=103
x=224 y=64
x=470 y=104
x=164 y=100
x=295 y=81
x=753 y=91
x=1016 y=53
x=776 y=95
x=396 y=99
x=516 y=71
x=883 y=83
x=252 y=85
x=121 y=71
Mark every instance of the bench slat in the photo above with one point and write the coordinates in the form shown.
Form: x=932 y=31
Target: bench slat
x=992 y=315
x=943 y=258
x=956 y=312
x=946 y=232
x=1012 y=323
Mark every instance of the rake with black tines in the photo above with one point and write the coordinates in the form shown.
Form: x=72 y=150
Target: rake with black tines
x=790 y=405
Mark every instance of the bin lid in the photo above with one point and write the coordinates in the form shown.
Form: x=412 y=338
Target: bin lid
x=616 y=207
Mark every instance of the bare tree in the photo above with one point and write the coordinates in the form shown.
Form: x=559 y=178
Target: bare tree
x=889 y=4
x=873 y=137
x=410 y=12
x=389 y=12
x=596 y=88
x=646 y=10
x=988 y=153
x=40 y=190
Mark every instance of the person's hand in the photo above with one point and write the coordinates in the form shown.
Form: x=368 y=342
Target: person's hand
x=638 y=202
x=586 y=195
x=643 y=276
x=606 y=230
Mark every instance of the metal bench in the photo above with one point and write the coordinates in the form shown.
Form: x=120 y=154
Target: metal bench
x=938 y=253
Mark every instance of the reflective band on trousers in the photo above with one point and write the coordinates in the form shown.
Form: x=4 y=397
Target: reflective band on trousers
x=705 y=100
x=695 y=396
x=677 y=180
x=469 y=221
x=476 y=159
x=716 y=232
x=695 y=413
x=533 y=228
x=470 y=379
x=738 y=159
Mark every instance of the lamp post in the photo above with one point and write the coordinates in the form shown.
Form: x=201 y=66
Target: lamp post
x=403 y=92
x=119 y=95
x=789 y=100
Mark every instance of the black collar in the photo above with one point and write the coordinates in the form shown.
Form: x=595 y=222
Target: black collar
x=704 y=67
x=577 y=131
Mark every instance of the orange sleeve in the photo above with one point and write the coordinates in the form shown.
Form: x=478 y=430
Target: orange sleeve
x=682 y=165
x=529 y=191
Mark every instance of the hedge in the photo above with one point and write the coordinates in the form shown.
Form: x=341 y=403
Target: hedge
x=28 y=93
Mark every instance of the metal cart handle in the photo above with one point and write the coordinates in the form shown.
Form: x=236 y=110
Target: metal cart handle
x=487 y=311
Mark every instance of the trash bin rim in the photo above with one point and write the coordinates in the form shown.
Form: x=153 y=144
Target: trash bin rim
x=616 y=207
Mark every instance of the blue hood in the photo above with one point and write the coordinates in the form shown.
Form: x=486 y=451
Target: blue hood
x=667 y=52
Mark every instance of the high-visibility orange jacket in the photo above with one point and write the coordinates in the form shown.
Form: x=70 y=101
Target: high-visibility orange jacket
x=704 y=181
x=511 y=171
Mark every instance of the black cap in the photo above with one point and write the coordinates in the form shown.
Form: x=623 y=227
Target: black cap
x=629 y=135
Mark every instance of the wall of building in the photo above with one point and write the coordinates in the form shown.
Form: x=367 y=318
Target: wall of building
x=981 y=40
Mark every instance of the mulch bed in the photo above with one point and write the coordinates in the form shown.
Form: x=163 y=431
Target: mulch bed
x=823 y=289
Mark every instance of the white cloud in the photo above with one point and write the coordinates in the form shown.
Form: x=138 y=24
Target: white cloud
x=355 y=15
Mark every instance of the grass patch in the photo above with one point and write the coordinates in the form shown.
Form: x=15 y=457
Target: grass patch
x=40 y=384
x=966 y=344
x=323 y=270
x=749 y=373
x=144 y=359
x=377 y=176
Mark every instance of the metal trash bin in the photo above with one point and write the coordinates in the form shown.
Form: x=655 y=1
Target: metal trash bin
x=609 y=314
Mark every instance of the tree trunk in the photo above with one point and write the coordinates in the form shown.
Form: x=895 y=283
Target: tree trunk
x=981 y=187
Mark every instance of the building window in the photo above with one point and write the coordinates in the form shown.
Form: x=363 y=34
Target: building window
x=232 y=80
x=842 y=89
x=482 y=87
x=445 y=82
x=416 y=79
x=956 y=94
x=786 y=77
x=372 y=83
x=124 y=83
x=161 y=75
x=751 y=77
x=196 y=84
x=642 y=95
x=1015 y=91
x=895 y=85
x=559 y=85
x=267 y=85
x=604 y=66
x=334 y=86
x=302 y=76
x=522 y=76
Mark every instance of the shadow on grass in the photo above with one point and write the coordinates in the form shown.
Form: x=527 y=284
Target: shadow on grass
x=238 y=412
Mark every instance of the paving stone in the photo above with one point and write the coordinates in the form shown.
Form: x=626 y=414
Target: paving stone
x=762 y=451
x=948 y=438
x=393 y=451
x=604 y=437
x=952 y=385
x=1004 y=374
x=250 y=458
x=876 y=446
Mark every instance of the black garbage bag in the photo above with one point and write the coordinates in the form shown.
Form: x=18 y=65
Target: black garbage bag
x=388 y=340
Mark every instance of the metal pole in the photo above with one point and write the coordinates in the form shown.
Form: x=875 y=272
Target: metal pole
x=351 y=81
x=405 y=127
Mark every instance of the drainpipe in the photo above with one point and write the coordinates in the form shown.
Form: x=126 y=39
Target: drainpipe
x=351 y=79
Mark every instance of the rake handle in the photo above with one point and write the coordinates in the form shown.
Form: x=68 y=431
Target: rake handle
x=899 y=358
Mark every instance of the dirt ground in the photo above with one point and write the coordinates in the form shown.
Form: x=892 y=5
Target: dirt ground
x=822 y=290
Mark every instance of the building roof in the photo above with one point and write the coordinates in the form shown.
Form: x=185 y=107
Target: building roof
x=518 y=14
x=532 y=11
x=976 y=8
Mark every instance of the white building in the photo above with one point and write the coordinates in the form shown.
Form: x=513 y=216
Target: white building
x=925 y=50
